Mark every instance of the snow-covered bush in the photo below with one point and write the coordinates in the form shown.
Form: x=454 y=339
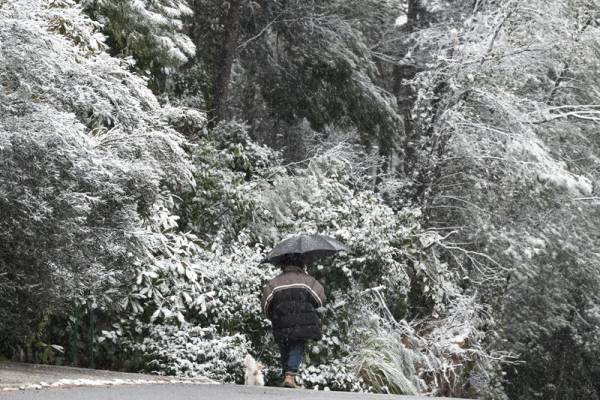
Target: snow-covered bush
x=228 y=166
x=215 y=292
x=389 y=278
x=337 y=374
x=86 y=161
x=387 y=366
x=190 y=351
x=211 y=276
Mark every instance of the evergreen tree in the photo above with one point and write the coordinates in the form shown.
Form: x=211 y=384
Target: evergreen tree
x=275 y=65
x=149 y=31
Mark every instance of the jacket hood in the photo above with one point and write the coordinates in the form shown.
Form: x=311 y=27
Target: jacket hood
x=292 y=268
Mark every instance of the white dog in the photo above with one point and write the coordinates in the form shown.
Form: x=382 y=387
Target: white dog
x=254 y=374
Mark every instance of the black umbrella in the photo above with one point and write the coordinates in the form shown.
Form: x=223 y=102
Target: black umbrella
x=304 y=249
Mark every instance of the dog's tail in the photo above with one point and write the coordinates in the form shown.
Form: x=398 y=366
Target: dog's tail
x=250 y=362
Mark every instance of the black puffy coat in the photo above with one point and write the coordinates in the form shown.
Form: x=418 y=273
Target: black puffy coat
x=290 y=301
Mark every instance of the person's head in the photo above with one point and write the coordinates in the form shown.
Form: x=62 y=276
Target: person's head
x=293 y=260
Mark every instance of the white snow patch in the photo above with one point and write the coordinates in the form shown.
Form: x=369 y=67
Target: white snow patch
x=401 y=20
x=535 y=246
x=106 y=382
x=548 y=169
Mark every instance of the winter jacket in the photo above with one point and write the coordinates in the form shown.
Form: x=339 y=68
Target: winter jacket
x=290 y=301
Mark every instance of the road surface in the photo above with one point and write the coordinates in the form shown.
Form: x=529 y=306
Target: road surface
x=20 y=381
x=190 y=392
x=36 y=376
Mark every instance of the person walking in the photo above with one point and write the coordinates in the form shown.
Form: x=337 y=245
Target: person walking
x=290 y=301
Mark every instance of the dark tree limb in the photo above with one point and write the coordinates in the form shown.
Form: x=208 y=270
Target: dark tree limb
x=224 y=63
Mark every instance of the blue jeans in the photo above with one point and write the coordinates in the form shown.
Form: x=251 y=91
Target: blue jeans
x=291 y=354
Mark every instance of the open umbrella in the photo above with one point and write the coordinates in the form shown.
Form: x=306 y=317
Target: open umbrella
x=304 y=249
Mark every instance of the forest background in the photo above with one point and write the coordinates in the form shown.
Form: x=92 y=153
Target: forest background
x=151 y=153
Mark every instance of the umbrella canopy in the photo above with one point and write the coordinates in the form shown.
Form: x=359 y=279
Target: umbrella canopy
x=304 y=249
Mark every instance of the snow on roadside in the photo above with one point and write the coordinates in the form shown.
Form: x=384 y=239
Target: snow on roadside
x=105 y=382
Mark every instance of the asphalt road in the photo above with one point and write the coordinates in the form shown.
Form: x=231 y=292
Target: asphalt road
x=190 y=392
x=19 y=381
x=21 y=375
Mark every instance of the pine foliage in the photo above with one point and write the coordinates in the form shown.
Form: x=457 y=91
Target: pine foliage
x=151 y=32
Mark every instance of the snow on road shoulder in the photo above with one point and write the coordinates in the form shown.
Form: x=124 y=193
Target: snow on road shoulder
x=104 y=382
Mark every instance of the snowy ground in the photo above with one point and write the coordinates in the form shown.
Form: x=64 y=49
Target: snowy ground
x=19 y=376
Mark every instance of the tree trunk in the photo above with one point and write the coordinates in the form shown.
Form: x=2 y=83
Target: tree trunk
x=414 y=11
x=224 y=63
